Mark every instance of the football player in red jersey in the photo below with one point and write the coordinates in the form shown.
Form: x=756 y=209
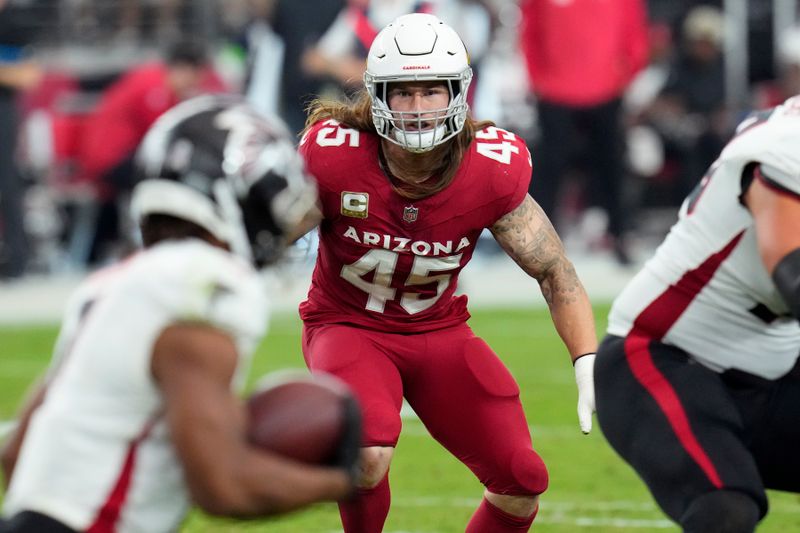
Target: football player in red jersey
x=407 y=182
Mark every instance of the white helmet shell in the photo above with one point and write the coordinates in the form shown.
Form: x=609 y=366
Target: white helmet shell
x=418 y=47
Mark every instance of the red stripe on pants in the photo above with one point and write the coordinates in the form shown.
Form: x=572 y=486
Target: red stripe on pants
x=652 y=324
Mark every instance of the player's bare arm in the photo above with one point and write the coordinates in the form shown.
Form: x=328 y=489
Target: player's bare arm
x=12 y=445
x=194 y=365
x=529 y=238
x=777 y=215
x=310 y=221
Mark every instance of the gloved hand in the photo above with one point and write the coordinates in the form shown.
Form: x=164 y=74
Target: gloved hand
x=584 y=377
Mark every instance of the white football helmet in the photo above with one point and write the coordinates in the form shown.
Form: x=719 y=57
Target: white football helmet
x=418 y=47
x=217 y=162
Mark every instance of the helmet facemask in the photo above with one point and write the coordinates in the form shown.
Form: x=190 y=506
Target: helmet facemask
x=418 y=48
x=420 y=131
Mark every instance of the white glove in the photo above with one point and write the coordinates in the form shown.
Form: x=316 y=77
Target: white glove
x=584 y=377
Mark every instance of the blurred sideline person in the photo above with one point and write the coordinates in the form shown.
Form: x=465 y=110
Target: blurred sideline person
x=408 y=181
x=702 y=345
x=341 y=52
x=773 y=92
x=690 y=113
x=581 y=57
x=299 y=32
x=17 y=73
x=138 y=414
x=126 y=110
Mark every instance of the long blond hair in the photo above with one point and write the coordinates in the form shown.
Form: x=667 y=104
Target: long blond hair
x=356 y=113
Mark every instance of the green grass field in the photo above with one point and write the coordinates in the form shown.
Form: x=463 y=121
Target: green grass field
x=591 y=489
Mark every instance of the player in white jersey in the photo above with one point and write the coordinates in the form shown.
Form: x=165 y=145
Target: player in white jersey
x=139 y=414
x=697 y=382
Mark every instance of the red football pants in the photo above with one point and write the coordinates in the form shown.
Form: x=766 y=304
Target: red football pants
x=458 y=387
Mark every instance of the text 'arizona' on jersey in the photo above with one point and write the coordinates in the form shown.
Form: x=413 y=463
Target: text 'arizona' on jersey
x=707 y=290
x=395 y=257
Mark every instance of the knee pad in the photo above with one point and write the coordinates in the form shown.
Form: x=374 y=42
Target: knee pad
x=528 y=472
x=721 y=511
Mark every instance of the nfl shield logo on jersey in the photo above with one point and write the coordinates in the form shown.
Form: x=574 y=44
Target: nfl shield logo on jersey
x=410 y=213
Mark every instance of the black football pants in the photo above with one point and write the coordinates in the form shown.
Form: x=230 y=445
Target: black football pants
x=688 y=430
x=31 y=522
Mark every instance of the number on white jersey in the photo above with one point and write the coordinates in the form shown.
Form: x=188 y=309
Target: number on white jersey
x=499 y=151
x=383 y=263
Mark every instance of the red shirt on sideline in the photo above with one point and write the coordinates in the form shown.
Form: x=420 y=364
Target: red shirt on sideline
x=125 y=112
x=583 y=52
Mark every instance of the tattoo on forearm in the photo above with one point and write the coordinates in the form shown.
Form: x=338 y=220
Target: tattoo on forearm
x=527 y=235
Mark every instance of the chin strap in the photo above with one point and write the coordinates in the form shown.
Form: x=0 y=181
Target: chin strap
x=420 y=141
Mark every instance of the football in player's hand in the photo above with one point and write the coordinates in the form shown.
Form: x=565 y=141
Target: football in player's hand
x=313 y=419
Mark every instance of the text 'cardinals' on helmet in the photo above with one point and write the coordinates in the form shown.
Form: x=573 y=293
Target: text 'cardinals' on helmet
x=215 y=161
x=418 y=47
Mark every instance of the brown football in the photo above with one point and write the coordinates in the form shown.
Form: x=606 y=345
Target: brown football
x=300 y=416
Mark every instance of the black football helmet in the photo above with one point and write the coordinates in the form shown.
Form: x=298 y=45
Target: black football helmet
x=217 y=162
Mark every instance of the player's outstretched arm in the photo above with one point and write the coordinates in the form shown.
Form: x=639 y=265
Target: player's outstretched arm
x=529 y=238
x=310 y=221
x=194 y=365
x=13 y=443
x=777 y=216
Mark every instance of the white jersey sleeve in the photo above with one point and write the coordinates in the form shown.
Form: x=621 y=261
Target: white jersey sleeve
x=781 y=177
x=770 y=138
x=199 y=283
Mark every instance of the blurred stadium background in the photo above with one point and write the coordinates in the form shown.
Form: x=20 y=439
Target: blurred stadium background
x=260 y=47
x=82 y=47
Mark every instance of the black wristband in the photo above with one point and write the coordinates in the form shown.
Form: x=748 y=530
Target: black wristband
x=786 y=276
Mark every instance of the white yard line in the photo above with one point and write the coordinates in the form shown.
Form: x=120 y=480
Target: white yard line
x=620 y=523
x=562 y=512
x=582 y=514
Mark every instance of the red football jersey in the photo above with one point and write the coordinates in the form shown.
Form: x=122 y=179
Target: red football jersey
x=389 y=263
